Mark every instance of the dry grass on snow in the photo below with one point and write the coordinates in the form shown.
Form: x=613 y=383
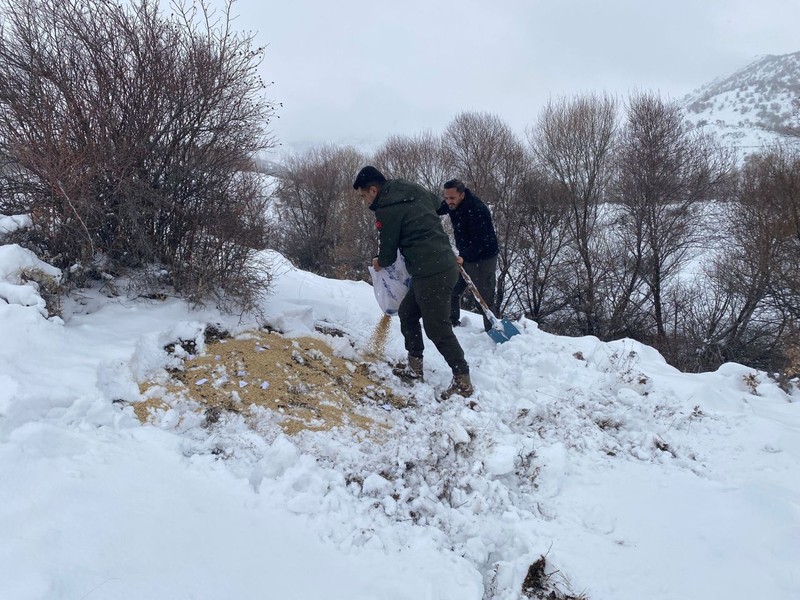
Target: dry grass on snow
x=301 y=379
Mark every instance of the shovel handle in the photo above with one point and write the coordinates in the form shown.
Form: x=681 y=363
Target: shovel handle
x=473 y=288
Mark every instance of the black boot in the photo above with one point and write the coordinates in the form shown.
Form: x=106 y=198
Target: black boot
x=461 y=385
x=411 y=372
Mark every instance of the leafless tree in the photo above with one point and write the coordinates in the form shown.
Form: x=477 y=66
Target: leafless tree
x=573 y=142
x=667 y=175
x=417 y=158
x=744 y=312
x=483 y=151
x=543 y=237
x=326 y=229
x=128 y=133
x=775 y=189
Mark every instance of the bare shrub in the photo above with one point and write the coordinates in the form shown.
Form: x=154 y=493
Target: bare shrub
x=129 y=134
x=726 y=316
x=789 y=376
x=541 y=585
x=326 y=228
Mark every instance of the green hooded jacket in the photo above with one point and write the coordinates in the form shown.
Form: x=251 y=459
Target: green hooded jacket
x=407 y=221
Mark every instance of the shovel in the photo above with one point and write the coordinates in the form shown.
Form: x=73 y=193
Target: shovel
x=502 y=329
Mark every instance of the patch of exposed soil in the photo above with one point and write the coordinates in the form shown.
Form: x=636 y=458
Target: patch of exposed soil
x=301 y=379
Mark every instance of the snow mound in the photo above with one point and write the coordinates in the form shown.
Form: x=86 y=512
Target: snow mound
x=19 y=271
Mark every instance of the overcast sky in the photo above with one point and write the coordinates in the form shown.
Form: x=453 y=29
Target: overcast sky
x=355 y=71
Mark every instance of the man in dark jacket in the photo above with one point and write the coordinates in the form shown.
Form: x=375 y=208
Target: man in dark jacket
x=476 y=241
x=406 y=219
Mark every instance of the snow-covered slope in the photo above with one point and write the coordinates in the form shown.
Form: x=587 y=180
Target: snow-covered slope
x=755 y=106
x=634 y=480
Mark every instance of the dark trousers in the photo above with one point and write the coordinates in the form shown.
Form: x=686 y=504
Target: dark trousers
x=429 y=300
x=484 y=275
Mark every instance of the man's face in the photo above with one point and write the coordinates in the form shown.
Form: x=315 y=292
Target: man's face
x=368 y=194
x=453 y=198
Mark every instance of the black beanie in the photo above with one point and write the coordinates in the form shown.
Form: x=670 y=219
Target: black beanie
x=368 y=176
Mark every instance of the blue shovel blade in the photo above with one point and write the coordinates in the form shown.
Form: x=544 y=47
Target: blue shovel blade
x=502 y=331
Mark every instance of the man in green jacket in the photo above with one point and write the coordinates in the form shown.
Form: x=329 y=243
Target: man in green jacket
x=406 y=219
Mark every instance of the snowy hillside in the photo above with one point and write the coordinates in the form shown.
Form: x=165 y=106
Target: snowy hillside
x=754 y=106
x=121 y=480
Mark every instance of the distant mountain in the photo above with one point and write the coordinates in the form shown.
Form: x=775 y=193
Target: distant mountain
x=268 y=167
x=755 y=106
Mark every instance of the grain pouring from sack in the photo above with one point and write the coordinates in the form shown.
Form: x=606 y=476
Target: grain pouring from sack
x=380 y=333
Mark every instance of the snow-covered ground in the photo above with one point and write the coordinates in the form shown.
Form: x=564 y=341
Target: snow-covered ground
x=739 y=118
x=635 y=480
x=742 y=136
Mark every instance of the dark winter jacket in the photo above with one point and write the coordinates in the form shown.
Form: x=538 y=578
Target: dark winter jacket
x=407 y=221
x=472 y=228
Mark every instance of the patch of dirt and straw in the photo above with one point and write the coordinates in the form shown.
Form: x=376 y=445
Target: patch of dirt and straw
x=301 y=380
